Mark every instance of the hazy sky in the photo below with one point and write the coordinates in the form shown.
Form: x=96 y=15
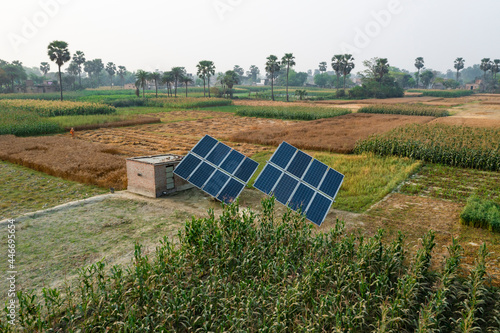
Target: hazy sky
x=154 y=34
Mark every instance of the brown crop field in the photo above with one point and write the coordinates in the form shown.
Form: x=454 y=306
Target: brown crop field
x=60 y=156
x=337 y=134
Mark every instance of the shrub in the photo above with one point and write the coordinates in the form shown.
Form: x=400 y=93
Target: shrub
x=481 y=214
x=373 y=89
x=466 y=147
x=406 y=109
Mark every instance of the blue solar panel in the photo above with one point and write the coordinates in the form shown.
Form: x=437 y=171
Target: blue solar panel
x=187 y=166
x=299 y=164
x=285 y=188
x=204 y=146
x=231 y=191
x=246 y=169
x=318 y=209
x=283 y=155
x=315 y=173
x=267 y=178
x=215 y=183
x=300 y=181
x=200 y=176
x=213 y=167
x=232 y=161
x=218 y=154
x=301 y=198
x=332 y=182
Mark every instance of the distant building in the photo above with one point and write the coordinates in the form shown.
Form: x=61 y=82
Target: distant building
x=31 y=88
x=473 y=86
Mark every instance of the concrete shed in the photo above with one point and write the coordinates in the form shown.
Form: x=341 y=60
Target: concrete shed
x=153 y=176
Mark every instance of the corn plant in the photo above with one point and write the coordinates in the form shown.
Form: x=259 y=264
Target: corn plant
x=406 y=109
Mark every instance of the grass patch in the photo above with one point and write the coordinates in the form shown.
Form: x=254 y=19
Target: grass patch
x=243 y=272
x=406 y=109
x=368 y=178
x=480 y=213
x=25 y=190
x=461 y=146
x=451 y=183
x=74 y=121
x=291 y=112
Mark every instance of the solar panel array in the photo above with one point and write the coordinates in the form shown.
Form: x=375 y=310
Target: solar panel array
x=216 y=169
x=301 y=182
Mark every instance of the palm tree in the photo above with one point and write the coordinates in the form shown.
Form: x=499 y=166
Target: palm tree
x=98 y=66
x=485 y=66
x=495 y=67
x=111 y=69
x=88 y=68
x=156 y=77
x=142 y=77
x=201 y=73
x=45 y=68
x=177 y=73
x=74 y=70
x=288 y=60
x=206 y=69
x=121 y=73
x=186 y=80
x=459 y=65
x=322 y=67
x=381 y=68
x=419 y=63
x=79 y=59
x=337 y=65
x=168 y=79
x=272 y=67
x=347 y=65
x=254 y=72
x=59 y=53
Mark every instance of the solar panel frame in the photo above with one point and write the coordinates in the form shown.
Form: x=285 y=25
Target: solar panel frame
x=234 y=162
x=305 y=181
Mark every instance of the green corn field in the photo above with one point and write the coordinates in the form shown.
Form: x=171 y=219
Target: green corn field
x=406 y=109
x=291 y=112
x=57 y=108
x=247 y=272
x=461 y=146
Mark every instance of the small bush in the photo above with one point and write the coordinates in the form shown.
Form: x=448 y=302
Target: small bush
x=481 y=214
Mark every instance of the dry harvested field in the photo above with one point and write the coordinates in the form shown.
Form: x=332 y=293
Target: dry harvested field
x=337 y=134
x=60 y=156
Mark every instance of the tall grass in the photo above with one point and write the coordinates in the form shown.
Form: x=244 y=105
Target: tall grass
x=291 y=112
x=481 y=214
x=406 y=109
x=243 y=272
x=25 y=123
x=466 y=147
